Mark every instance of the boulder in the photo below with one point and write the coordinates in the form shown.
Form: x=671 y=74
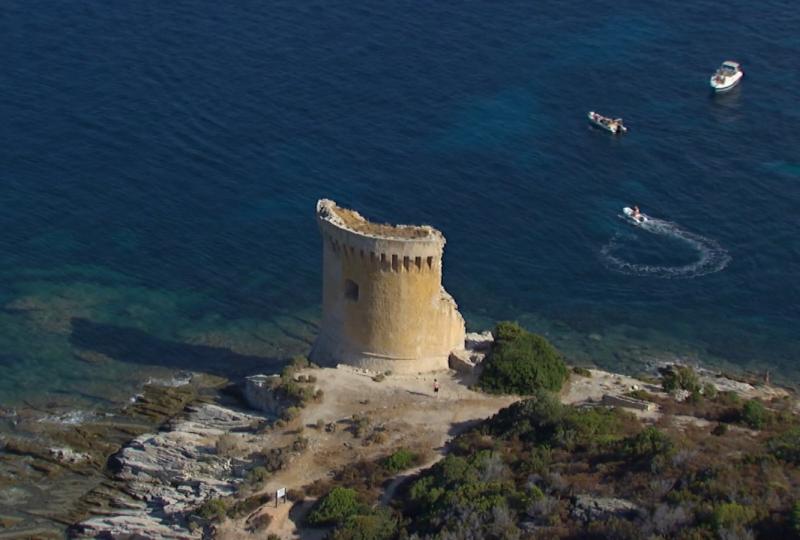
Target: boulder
x=466 y=361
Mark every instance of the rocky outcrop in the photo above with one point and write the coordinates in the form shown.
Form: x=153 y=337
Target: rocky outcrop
x=588 y=508
x=479 y=341
x=259 y=393
x=160 y=478
x=470 y=358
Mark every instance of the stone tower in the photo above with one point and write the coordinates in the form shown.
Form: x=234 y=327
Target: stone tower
x=383 y=304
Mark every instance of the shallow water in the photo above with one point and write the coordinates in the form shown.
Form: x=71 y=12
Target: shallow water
x=161 y=162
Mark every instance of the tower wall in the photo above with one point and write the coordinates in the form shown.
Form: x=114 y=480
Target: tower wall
x=384 y=307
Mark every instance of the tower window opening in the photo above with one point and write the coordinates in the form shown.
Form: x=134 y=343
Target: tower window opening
x=351 y=290
x=395 y=263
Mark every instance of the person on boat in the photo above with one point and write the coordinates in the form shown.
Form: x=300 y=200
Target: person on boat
x=636 y=213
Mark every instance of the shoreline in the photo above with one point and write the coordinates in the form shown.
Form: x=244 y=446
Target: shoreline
x=403 y=408
x=99 y=475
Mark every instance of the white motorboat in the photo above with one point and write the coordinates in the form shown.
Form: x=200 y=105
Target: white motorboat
x=727 y=76
x=614 y=125
x=634 y=214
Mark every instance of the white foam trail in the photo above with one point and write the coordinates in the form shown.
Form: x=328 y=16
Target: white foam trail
x=711 y=256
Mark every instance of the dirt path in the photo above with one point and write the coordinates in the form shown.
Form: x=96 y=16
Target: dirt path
x=402 y=407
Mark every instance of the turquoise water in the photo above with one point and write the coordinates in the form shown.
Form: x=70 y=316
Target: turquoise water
x=161 y=162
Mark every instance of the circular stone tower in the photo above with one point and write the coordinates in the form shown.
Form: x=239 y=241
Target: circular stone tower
x=383 y=304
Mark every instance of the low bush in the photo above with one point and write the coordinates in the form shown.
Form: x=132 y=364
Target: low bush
x=295 y=494
x=247 y=506
x=335 y=507
x=380 y=524
x=786 y=446
x=648 y=443
x=212 y=510
x=258 y=523
x=300 y=444
x=732 y=516
x=228 y=445
x=794 y=518
x=754 y=414
x=295 y=364
x=521 y=363
x=290 y=413
x=582 y=371
x=710 y=391
x=360 y=425
x=400 y=460
x=376 y=437
x=677 y=377
x=257 y=476
x=720 y=430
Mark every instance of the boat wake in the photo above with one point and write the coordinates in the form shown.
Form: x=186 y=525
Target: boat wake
x=711 y=257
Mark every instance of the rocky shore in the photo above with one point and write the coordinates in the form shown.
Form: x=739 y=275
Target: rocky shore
x=160 y=478
x=52 y=462
x=152 y=470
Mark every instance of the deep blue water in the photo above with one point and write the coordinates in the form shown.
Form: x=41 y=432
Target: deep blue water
x=161 y=162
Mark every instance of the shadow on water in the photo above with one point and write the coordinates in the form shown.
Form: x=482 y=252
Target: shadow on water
x=134 y=346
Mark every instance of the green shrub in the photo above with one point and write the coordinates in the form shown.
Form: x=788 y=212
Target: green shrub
x=786 y=446
x=295 y=364
x=521 y=362
x=335 y=507
x=290 y=413
x=648 y=443
x=680 y=378
x=257 y=476
x=360 y=425
x=378 y=525
x=247 y=506
x=710 y=391
x=729 y=398
x=754 y=414
x=794 y=518
x=582 y=371
x=732 y=516
x=213 y=510
x=720 y=430
x=400 y=460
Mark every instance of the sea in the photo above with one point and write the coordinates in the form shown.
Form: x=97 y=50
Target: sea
x=160 y=163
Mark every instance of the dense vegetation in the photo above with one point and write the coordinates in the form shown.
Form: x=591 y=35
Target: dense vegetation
x=521 y=363
x=540 y=469
x=531 y=470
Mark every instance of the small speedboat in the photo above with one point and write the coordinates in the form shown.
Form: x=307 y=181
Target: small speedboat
x=635 y=215
x=614 y=125
x=727 y=76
